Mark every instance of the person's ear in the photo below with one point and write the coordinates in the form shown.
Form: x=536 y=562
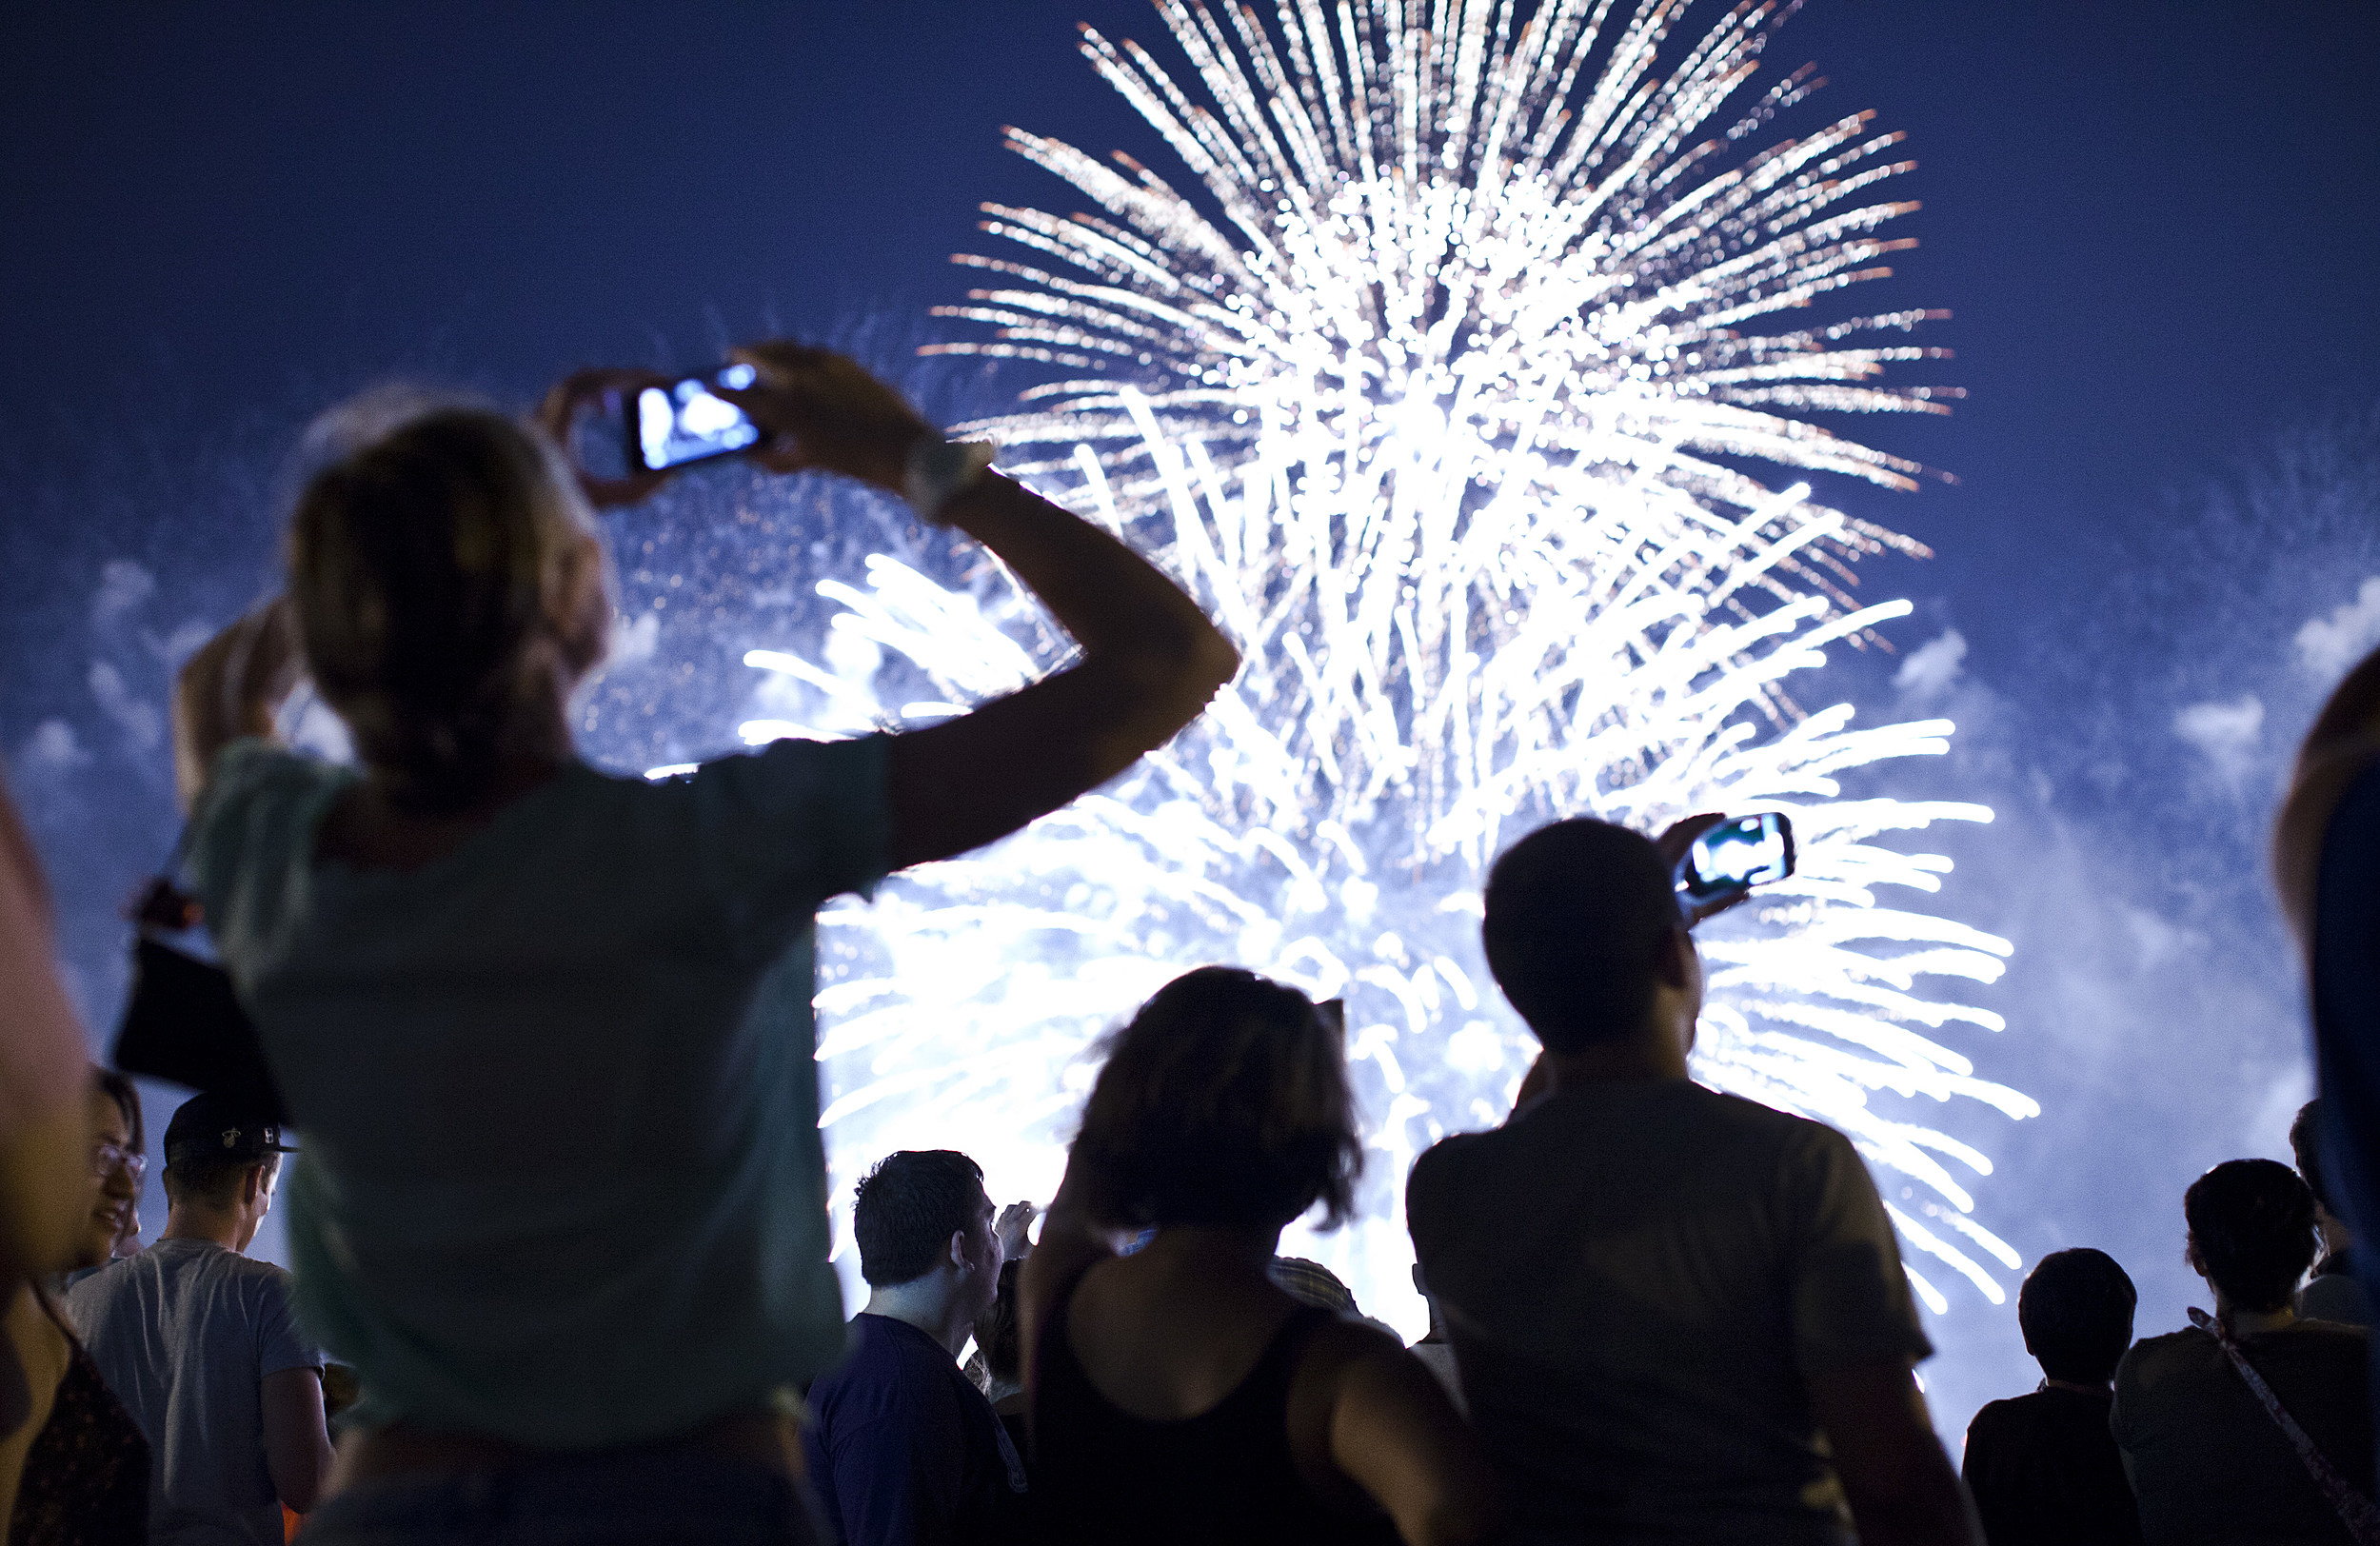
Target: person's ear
x=959 y=1249
x=579 y=611
x=252 y=1185
x=2190 y=1255
x=1675 y=961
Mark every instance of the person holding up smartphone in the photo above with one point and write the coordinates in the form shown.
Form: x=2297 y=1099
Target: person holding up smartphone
x=546 y=1032
x=1678 y=1314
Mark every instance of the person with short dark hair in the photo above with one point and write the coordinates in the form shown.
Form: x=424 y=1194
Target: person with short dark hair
x=1182 y=1392
x=203 y=1345
x=901 y=1447
x=1678 y=1314
x=2333 y=1292
x=2043 y=1468
x=2209 y=1462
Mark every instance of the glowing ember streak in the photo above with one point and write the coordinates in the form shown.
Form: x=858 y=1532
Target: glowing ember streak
x=1430 y=412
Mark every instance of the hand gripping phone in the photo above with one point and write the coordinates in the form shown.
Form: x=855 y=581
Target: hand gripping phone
x=1738 y=854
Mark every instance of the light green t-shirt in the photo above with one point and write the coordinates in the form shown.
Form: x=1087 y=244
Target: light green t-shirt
x=561 y=1179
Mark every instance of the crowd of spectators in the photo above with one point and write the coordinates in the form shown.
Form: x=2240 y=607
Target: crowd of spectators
x=559 y=1220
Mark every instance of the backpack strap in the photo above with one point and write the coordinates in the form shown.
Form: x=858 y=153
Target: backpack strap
x=2355 y=1511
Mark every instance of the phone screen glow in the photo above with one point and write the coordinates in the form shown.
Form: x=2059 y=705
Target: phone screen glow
x=1748 y=850
x=688 y=422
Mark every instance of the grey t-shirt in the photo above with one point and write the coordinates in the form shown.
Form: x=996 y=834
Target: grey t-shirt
x=2207 y=1461
x=1637 y=1277
x=184 y=1334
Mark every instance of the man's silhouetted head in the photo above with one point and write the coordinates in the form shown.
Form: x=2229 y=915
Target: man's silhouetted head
x=1579 y=915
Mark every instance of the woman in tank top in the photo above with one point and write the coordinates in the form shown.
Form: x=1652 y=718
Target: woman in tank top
x=85 y=1479
x=1179 y=1396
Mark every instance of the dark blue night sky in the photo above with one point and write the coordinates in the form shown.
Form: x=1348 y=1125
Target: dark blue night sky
x=2157 y=226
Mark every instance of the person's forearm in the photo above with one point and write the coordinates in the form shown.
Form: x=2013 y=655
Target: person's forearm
x=1151 y=663
x=296 y=1439
x=230 y=688
x=1930 y=1507
x=1899 y=1482
x=1108 y=596
x=1075 y=1236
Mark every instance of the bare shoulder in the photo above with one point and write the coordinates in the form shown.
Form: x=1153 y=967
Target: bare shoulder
x=1349 y=1372
x=1341 y=1348
x=1357 y=1337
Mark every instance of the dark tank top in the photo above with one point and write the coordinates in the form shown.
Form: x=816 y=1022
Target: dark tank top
x=1102 y=1475
x=86 y=1481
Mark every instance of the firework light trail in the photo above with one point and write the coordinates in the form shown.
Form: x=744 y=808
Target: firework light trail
x=1435 y=389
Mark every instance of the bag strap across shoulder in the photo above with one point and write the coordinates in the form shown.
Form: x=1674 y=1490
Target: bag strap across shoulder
x=2355 y=1511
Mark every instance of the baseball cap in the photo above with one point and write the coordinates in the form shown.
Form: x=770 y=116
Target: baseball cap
x=216 y=1126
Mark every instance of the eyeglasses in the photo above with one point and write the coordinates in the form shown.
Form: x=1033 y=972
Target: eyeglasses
x=107 y=1158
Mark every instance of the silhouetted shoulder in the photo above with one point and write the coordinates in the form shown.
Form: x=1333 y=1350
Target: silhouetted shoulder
x=1992 y=1416
x=1738 y=1113
x=1446 y=1164
x=1348 y=1338
x=2152 y=1360
x=1650 y=1117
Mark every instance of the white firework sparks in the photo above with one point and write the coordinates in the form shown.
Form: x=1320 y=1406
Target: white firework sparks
x=1436 y=393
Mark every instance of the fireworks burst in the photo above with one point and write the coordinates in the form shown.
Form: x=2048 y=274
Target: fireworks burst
x=1436 y=391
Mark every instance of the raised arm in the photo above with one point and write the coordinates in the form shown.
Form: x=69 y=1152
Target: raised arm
x=1150 y=663
x=232 y=689
x=1150 y=658
x=1075 y=1237
x=1898 y=1481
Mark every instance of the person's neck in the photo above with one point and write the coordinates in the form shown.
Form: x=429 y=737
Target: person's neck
x=2251 y=1322
x=375 y=828
x=1206 y=1250
x=1657 y=1052
x=2104 y=1387
x=522 y=768
x=215 y=1225
x=930 y=1303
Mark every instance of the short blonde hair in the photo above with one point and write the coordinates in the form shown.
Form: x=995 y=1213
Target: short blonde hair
x=428 y=555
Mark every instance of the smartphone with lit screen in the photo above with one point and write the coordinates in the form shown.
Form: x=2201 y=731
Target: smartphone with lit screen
x=1736 y=855
x=685 y=422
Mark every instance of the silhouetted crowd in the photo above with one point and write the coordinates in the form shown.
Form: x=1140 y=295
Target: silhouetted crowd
x=541 y=1041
